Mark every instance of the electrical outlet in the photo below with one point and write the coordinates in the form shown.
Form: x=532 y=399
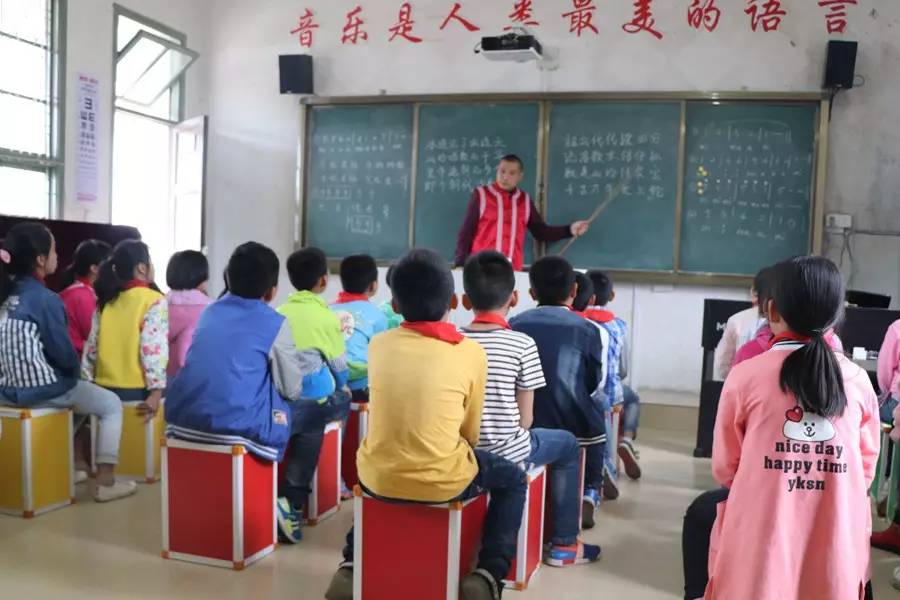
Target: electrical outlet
x=838 y=222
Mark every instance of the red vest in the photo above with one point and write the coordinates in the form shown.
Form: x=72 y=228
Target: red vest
x=503 y=220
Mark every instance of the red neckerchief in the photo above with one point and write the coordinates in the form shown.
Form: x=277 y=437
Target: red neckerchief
x=491 y=319
x=600 y=315
x=85 y=281
x=788 y=336
x=345 y=297
x=580 y=313
x=40 y=279
x=446 y=332
x=135 y=283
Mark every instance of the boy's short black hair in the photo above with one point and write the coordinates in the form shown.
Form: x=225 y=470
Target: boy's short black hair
x=388 y=277
x=489 y=280
x=252 y=271
x=187 y=270
x=603 y=287
x=358 y=272
x=585 y=291
x=552 y=278
x=305 y=267
x=515 y=159
x=422 y=285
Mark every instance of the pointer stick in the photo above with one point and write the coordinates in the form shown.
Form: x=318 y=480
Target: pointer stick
x=600 y=208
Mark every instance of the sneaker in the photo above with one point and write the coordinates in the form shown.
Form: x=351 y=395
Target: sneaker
x=81 y=476
x=589 y=503
x=118 y=490
x=288 y=522
x=341 y=586
x=629 y=457
x=480 y=585
x=895 y=580
x=889 y=539
x=566 y=556
x=610 y=487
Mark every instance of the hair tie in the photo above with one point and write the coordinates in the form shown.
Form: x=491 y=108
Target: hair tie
x=5 y=257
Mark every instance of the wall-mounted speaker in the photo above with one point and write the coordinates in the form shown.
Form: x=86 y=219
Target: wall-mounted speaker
x=840 y=66
x=295 y=73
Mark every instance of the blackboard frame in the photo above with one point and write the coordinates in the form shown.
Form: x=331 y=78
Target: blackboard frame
x=545 y=100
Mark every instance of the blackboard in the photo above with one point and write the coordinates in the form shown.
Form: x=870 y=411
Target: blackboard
x=359 y=179
x=459 y=148
x=748 y=185
x=596 y=146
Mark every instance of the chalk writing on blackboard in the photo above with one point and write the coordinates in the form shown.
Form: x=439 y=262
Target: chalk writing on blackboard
x=354 y=170
x=748 y=179
x=594 y=164
x=460 y=164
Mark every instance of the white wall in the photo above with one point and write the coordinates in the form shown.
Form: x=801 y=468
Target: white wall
x=89 y=50
x=253 y=138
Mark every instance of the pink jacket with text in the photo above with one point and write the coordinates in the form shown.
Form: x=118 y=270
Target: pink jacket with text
x=797 y=522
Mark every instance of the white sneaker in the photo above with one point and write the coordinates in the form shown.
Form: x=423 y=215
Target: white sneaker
x=895 y=580
x=81 y=476
x=120 y=489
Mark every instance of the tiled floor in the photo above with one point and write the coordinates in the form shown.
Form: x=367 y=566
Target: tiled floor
x=94 y=552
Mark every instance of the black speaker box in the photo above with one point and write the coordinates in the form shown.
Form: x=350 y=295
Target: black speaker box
x=295 y=73
x=840 y=66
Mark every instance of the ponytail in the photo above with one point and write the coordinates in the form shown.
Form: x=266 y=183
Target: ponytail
x=118 y=270
x=88 y=254
x=808 y=294
x=23 y=244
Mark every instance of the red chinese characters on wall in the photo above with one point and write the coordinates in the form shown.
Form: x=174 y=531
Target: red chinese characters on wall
x=522 y=14
x=705 y=14
x=404 y=26
x=305 y=27
x=455 y=16
x=836 y=17
x=581 y=17
x=643 y=19
x=353 y=31
x=765 y=13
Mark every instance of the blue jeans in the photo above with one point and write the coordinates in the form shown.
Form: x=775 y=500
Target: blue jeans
x=308 y=421
x=559 y=449
x=887 y=410
x=593 y=466
x=631 y=410
x=507 y=485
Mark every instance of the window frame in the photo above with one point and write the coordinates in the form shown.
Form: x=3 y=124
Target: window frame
x=53 y=163
x=176 y=103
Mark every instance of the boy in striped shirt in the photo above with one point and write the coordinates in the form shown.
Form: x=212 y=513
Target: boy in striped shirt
x=514 y=372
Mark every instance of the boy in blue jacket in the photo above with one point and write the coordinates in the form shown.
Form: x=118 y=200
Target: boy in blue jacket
x=360 y=319
x=242 y=367
x=572 y=355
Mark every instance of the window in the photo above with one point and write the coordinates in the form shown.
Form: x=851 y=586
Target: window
x=158 y=161
x=30 y=99
x=150 y=62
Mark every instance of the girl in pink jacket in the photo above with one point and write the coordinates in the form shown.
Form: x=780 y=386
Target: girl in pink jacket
x=77 y=293
x=187 y=276
x=796 y=441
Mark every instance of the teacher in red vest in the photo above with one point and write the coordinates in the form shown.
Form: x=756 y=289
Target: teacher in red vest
x=499 y=214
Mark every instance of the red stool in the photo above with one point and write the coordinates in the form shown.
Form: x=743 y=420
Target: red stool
x=531 y=533
x=218 y=504
x=548 y=514
x=354 y=433
x=422 y=549
x=325 y=497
